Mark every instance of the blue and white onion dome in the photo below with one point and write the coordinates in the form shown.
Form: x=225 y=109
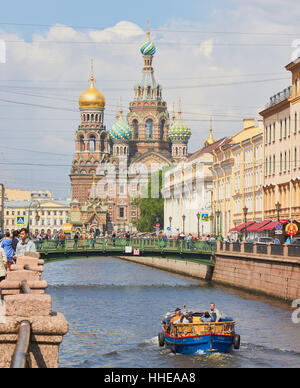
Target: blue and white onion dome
x=148 y=48
x=120 y=131
x=179 y=131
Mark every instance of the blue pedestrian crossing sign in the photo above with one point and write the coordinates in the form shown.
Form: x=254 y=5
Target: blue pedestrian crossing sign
x=205 y=217
x=20 y=221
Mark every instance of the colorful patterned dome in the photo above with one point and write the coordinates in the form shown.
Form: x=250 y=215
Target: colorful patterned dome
x=179 y=131
x=120 y=131
x=148 y=48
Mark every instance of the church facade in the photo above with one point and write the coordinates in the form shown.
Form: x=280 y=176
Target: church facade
x=112 y=166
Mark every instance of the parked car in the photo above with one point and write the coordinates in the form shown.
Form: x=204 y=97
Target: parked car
x=265 y=240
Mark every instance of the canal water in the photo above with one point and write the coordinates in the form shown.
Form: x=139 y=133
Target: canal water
x=114 y=309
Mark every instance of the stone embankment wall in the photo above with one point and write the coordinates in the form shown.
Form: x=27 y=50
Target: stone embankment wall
x=47 y=327
x=267 y=274
x=183 y=267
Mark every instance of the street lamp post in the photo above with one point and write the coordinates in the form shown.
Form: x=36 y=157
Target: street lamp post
x=245 y=211
x=278 y=208
x=37 y=217
x=183 y=223
x=198 y=218
x=218 y=213
x=170 y=219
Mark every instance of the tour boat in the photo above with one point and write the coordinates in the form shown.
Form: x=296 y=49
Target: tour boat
x=198 y=337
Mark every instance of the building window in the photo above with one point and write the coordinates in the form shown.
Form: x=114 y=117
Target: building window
x=81 y=140
x=295 y=157
x=136 y=129
x=280 y=162
x=149 y=129
x=92 y=143
x=102 y=142
x=274 y=164
x=281 y=130
x=121 y=212
x=274 y=132
x=162 y=127
x=296 y=118
x=285 y=161
x=285 y=128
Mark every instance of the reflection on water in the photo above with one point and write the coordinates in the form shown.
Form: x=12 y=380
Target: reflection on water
x=114 y=310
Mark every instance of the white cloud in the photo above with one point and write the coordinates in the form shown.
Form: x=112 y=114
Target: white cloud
x=206 y=48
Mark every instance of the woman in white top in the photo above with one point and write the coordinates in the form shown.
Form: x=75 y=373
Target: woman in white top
x=3 y=264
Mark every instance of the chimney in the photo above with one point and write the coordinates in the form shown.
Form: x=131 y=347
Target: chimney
x=249 y=123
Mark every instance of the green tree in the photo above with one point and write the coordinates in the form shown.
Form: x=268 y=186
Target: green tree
x=151 y=209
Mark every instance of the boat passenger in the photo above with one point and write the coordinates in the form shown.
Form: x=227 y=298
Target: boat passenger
x=214 y=313
x=206 y=317
x=185 y=319
x=177 y=318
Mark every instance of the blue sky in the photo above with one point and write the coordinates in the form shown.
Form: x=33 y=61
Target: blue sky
x=101 y=14
x=229 y=76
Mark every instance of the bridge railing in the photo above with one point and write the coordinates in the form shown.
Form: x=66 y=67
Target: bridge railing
x=119 y=244
x=283 y=250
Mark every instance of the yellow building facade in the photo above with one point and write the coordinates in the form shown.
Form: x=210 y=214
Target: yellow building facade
x=45 y=216
x=282 y=151
x=238 y=179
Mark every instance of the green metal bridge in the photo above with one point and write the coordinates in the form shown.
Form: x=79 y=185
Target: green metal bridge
x=103 y=246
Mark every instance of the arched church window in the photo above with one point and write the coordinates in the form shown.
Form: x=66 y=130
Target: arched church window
x=102 y=142
x=92 y=143
x=162 y=127
x=149 y=129
x=88 y=117
x=81 y=140
x=136 y=129
x=92 y=117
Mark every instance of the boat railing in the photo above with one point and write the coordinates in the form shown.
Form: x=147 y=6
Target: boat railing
x=193 y=329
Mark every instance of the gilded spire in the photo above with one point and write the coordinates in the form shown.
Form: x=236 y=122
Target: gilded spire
x=173 y=117
x=148 y=30
x=92 y=69
x=179 y=109
x=121 y=109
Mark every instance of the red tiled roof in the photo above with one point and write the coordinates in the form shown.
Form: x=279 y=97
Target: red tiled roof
x=206 y=150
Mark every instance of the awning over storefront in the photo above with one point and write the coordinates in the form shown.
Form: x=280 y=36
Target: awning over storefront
x=271 y=226
x=258 y=226
x=241 y=228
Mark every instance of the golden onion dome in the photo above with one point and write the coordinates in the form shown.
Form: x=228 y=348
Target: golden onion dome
x=210 y=140
x=92 y=98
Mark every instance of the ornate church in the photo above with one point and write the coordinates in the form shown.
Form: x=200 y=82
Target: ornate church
x=136 y=146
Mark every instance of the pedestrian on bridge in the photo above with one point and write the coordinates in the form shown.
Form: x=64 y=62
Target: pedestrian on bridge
x=6 y=244
x=3 y=264
x=25 y=245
